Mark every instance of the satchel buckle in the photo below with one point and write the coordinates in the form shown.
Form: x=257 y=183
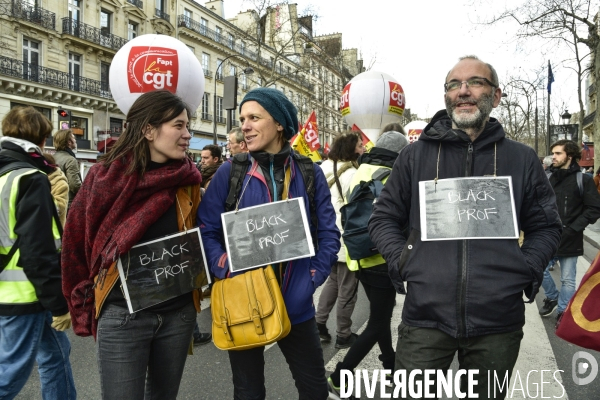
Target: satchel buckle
x=257 y=322
x=226 y=329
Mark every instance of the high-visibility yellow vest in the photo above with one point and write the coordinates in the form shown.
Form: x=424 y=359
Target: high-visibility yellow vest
x=15 y=288
x=364 y=173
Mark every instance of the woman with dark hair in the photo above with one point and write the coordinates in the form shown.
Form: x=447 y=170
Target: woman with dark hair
x=144 y=188
x=269 y=120
x=341 y=284
x=64 y=143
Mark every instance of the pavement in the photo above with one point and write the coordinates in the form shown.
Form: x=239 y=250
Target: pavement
x=591 y=234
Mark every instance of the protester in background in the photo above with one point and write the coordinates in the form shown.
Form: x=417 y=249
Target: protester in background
x=143 y=189
x=393 y=127
x=210 y=162
x=577 y=207
x=465 y=295
x=340 y=287
x=597 y=180
x=59 y=187
x=33 y=311
x=269 y=120
x=373 y=274
x=236 y=143
x=64 y=143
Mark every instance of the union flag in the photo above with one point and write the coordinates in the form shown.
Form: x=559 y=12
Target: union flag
x=367 y=143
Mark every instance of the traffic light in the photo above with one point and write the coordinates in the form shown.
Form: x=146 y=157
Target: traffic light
x=63 y=113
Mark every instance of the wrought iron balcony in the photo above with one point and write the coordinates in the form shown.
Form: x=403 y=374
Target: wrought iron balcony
x=52 y=77
x=219 y=76
x=161 y=14
x=138 y=3
x=206 y=117
x=208 y=73
x=92 y=34
x=34 y=14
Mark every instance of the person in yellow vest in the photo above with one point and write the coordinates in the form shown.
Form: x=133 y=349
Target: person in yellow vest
x=33 y=311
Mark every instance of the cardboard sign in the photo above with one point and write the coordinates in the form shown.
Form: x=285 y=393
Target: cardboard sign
x=162 y=269
x=266 y=234
x=468 y=208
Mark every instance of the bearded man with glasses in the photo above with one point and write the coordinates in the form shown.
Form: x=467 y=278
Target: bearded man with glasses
x=465 y=291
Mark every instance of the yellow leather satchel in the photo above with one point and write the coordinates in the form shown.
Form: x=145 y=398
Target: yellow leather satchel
x=248 y=311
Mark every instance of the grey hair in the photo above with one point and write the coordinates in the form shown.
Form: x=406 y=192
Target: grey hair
x=239 y=135
x=494 y=79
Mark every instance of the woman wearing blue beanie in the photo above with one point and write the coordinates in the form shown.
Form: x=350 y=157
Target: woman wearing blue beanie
x=268 y=121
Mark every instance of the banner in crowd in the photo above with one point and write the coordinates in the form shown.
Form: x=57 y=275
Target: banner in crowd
x=580 y=323
x=367 y=143
x=327 y=149
x=307 y=141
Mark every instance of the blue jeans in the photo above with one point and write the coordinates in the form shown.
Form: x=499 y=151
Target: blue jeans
x=143 y=354
x=568 y=272
x=25 y=339
x=304 y=355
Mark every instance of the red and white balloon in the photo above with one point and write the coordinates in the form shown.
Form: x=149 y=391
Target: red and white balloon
x=155 y=62
x=413 y=130
x=372 y=100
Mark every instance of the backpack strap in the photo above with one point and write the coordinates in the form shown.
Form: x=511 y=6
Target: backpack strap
x=307 y=169
x=239 y=166
x=580 y=183
x=380 y=174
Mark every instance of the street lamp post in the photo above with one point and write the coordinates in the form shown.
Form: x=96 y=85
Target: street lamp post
x=248 y=70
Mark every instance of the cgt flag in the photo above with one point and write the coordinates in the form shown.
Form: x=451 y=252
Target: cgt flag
x=307 y=141
x=580 y=323
x=367 y=143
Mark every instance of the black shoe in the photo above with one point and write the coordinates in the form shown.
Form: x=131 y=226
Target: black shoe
x=559 y=315
x=548 y=307
x=344 y=343
x=323 y=332
x=203 y=338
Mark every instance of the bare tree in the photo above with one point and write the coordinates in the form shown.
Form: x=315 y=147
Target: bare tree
x=570 y=22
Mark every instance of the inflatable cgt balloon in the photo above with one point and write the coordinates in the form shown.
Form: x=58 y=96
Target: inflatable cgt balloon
x=372 y=100
x=413 y=130
x=155 y=62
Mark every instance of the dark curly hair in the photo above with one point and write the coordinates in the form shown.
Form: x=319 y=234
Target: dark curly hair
x=343 y=147
x=570 y=147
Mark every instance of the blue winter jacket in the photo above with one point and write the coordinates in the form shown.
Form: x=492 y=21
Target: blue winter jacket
x=302 y=276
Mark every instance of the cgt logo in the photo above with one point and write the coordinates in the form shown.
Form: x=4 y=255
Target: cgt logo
x=345 y=100
x=152 y=68
x=584 y=372
x=397 y=100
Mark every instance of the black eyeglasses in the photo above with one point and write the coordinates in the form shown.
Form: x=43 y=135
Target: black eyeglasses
x=472 y=83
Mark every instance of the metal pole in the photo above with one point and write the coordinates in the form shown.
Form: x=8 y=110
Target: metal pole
x=548 y=127
x=536 y=129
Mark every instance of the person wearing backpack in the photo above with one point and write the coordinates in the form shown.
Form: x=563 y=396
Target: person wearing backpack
x=372 y=271
x=578 y=204
x=272 y=170
x=340 y=287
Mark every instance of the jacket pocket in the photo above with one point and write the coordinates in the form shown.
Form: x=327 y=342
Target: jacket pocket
x=407 y=252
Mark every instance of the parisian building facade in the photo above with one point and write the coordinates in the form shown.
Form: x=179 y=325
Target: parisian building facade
x=56 y=55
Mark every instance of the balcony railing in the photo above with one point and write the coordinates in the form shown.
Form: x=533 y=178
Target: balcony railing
x=208 y=73
x=37 y=15
x=138 y=3
x=52 y=77
x=221 y=120
x=92 y=34
x=235 y=122
x=206 y=117
x=219 y=76
x=161 y=14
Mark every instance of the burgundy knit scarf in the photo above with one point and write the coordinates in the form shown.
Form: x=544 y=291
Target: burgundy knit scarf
x=109 y=215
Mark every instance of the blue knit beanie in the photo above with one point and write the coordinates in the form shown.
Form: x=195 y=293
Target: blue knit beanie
x=281 y=109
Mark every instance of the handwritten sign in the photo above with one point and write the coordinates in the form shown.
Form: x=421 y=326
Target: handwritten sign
x=468 y=208
x=558 y=132
x=267 y=234
x=162 y=269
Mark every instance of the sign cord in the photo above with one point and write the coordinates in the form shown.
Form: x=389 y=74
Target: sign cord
x=237 y=203
x=437 y=168
x=181 y=212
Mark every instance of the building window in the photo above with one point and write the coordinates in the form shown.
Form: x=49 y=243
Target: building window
x=218 y=32
x=230 y=40
x=205 y=106
x=45 y=111
x=132 y=30
x=74 y=71
x=105 y=22
x=75 y=10
x=79 y=127
x=219 y=69
x=242 y=47
x=232 y=70
x=31 y=59
x=203 y=26
x=280 y=67
x=104 y=72
x=220 y=118
x=205 y=62
x=187 y=14
x=244 y=82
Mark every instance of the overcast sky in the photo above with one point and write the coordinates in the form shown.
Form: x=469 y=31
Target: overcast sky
x=417 y=42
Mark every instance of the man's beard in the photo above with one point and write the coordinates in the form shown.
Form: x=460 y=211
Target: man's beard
x=477 y=120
